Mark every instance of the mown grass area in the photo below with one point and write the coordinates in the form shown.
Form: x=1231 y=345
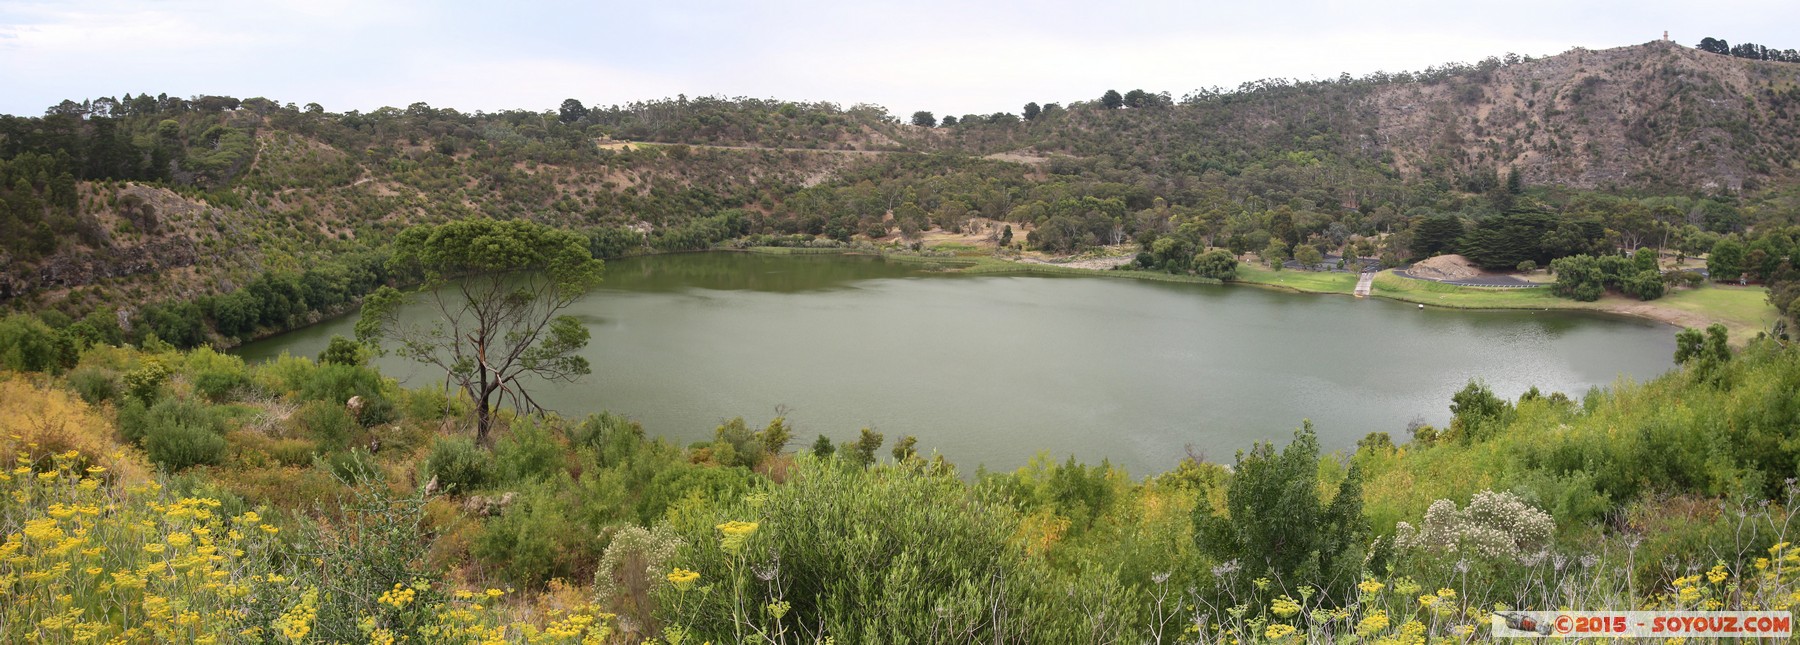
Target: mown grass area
x=956 y=247
x=990 y=266
x=1389 y=285
x=1743 y=310
x=1302 y=281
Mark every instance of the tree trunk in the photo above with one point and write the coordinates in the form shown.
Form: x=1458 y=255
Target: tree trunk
x=483 y=417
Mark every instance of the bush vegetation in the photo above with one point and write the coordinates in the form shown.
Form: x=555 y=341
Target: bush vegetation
x=1671 y=494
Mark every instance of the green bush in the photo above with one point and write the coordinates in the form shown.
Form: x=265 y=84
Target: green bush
x=355 y=464
x=430 y=404
x=376 y=410
x=327 y=423
x=613 y=438
x=1278 y=528
x=344 y=351
x=286 y=373
x=735 y=444
x=458 y=465
x=175 y=433
x=1217 y=264
x=867 y=553
x=374 y=546
x=215 y=375
x=218 y=386
x=530 y=452
x=292 y=452
x=95 y=385
x=28 y=345
x=145 y=382
x=336 y=383
x=536 y=538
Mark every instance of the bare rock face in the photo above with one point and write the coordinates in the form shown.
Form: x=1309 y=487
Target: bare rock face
x=79 y=269
x=488 y=506
x=165 y=222
x=1653 y=115
x=84 y=267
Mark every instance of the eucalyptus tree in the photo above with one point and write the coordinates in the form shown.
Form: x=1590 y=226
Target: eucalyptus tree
x=496 y=291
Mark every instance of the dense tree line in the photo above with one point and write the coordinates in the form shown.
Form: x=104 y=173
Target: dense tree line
x=1751 y=51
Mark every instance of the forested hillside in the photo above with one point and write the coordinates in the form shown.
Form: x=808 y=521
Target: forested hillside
x=120 y=203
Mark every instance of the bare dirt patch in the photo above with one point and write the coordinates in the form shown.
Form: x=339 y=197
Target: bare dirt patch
x=1103 y=263
x=1653 y=311
x=979 y=232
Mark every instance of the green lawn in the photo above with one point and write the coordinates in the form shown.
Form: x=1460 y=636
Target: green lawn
x=1388 y=285
x=1303 y=281
x=1743 y=310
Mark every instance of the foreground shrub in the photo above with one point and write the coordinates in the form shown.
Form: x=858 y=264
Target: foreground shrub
x=95 y=385
x=175 y=433
x=40 y=422
x=133 y=562
x=167 y=570
x=215 y=376
x=326 y=423
x=537 y=537
x=529 y=452
x=863 y=555
x=458 y=465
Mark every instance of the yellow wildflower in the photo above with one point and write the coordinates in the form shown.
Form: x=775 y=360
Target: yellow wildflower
x=735 y=533
x=398 y=597
x=683 y=579
x=1278 y=631
x=1372 y=624
x=1284 y=607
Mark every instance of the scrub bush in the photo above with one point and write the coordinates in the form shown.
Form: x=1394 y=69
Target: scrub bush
x=458 y=465
x=95 y=385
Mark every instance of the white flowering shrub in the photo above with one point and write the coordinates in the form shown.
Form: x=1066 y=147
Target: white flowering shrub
x=1495 y=525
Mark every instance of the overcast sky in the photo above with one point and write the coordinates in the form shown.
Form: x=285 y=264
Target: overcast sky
x=957 y=57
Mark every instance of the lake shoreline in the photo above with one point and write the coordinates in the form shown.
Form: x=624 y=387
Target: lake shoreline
x=1668 y=310
x=1126 y=372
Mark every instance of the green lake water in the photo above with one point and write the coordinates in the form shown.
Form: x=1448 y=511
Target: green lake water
x=992 y=370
